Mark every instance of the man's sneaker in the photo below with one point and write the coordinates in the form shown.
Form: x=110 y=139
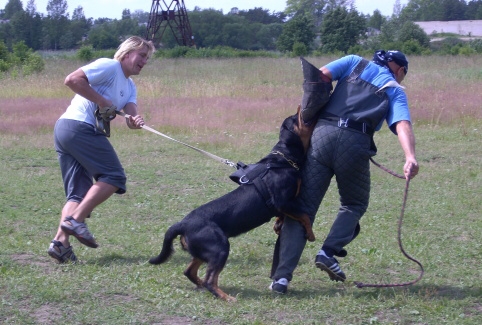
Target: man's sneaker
x=330 y=266
x=78 y=230
x=60 y=253
x=279 y=286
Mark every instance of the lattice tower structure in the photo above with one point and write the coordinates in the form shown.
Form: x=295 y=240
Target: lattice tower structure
x=172 y=14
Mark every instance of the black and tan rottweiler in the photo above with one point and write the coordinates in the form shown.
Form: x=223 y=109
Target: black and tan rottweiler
x=205 y=231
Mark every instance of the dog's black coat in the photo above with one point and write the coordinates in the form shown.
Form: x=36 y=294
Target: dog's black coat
x=205 y=230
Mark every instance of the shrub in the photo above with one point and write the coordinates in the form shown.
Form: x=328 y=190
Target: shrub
x=21 y=51
x=466 y=50
x=33 y=63
x=22 y=59
x=412 y=47
x=85 y=53
x=299 y=49
x=4 y=66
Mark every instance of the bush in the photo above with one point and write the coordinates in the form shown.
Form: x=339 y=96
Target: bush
x=85 y=53
x=466 y=50
x=412 y=47
x=33 y=63
x=4 y=53
x=22 y=59
x=217 y=52
x=21 y=51
x=4 y=66
x=299 y=49
x=476 y=45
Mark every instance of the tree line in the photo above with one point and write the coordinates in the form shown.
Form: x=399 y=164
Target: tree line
x=305 y=26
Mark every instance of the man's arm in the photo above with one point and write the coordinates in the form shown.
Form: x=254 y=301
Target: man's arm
x=407 y=141
x=77 y=81
x=134 y=121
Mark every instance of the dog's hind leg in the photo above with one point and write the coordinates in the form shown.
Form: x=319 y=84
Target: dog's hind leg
x=191 y=272
x=214 y=268
x=211 y=283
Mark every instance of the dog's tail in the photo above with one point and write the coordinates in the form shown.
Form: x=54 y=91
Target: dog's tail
x=167 y=249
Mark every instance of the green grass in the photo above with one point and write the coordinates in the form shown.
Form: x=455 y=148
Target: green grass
x=114 y=284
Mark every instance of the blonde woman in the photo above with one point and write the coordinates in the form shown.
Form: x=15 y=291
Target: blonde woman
x=81 y=139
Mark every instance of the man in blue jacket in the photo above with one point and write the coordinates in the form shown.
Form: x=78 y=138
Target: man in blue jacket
x=367 y=93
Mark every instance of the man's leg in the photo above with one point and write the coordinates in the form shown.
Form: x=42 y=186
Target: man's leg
x=352 y=172
x=98 y=193
x=316 y=177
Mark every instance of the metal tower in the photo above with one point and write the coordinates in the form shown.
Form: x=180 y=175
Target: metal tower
x=173 y=15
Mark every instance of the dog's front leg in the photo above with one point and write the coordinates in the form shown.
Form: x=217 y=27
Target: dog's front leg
x=303 y=218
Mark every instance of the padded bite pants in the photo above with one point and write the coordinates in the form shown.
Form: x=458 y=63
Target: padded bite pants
x=334 y=151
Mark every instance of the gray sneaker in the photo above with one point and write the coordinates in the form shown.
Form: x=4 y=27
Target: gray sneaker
x=60 y=253
x=279 y=286
x=330 y=266
x=79 y=230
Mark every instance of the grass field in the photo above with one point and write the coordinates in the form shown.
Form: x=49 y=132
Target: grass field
x=232 y=108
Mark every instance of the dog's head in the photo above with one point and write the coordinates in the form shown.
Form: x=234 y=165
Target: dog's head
x=294 y=137
x=294 y=133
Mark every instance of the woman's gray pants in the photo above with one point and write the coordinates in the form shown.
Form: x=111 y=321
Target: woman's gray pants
x=345 y=154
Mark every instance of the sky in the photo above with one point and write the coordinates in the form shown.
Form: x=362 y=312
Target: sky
x=113 y=8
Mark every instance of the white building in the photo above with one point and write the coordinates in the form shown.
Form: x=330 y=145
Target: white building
x=460 y=27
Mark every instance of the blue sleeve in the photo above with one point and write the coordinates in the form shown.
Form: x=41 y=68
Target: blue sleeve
x=342 y=67
x=398 y=110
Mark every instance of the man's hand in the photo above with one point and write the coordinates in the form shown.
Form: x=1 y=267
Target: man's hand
x=135 y=122
x=410 y=169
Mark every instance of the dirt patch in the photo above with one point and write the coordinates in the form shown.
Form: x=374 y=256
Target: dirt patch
x=44 y=263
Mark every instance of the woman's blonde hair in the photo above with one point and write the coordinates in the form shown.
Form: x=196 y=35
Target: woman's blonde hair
x=133 y=43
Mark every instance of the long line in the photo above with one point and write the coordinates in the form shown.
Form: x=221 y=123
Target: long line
x=400 y=219
x=145 y=127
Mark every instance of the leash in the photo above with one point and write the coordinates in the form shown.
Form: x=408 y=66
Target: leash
x=405 y=196
x=145 y=127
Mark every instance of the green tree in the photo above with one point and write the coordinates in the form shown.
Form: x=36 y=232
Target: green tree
x=473 y=10
x=263 y=16
x=299 y=29
x=268 y=34
x=79 y=26
x=4 y=53
x=56 y=24
x=141 y=16
x=126 y=14
x=376 y=20
x=235 y=35
x=11 y=8
x=314 y=9
x=412 y=32
x=206 y=26
x=19 y=23
x=34 y=39
x=102 y=37
x=427 y=10
x=341 y=29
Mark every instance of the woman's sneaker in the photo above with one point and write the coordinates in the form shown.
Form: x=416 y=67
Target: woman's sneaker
x=330 y=266
x=279 y=286
x=79 y=230
x=60 y=253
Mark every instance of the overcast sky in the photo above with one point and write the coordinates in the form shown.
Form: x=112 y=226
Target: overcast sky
x=113 y=8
